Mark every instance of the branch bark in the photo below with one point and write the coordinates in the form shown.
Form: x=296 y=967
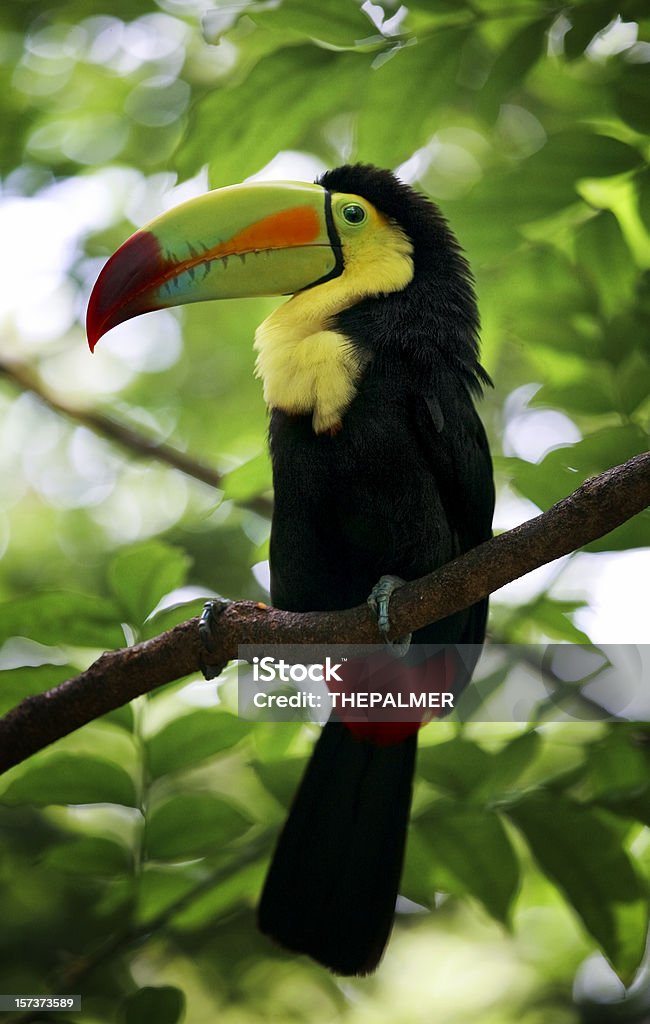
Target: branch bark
x=598 y=506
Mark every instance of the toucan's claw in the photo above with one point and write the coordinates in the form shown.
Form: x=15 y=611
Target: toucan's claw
x=379 y=601
x=211 y=611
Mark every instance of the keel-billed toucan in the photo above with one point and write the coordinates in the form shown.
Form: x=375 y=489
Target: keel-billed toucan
x=380 y=466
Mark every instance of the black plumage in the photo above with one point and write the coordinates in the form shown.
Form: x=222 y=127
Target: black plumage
x=403 y=487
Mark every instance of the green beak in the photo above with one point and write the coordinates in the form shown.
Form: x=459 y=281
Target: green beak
x=266 y=238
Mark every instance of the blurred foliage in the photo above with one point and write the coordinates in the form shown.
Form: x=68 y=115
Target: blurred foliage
x=132 y=852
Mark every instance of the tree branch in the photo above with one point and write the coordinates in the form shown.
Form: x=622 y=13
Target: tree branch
x=126 y=437
x=598 y=506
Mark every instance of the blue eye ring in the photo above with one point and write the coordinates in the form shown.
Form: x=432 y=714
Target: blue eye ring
x=354 y=213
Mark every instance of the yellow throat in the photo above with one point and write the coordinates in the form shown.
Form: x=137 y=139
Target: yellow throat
x=304 y=364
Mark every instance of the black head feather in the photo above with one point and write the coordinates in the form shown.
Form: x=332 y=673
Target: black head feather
x=436 y=314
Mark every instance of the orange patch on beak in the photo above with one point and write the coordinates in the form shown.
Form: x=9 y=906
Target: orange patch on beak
x=297 y=226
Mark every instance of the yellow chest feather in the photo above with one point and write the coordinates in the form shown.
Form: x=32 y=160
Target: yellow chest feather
x=305 y=365
x=313 y=372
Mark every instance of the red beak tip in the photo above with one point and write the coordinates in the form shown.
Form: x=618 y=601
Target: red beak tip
x=92 y=336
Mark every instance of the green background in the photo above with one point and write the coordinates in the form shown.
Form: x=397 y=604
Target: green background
x=132 y=851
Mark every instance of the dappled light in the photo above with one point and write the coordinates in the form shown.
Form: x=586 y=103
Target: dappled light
x=135 y=482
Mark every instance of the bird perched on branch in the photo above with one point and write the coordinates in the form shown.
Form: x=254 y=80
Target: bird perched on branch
x=381 y=473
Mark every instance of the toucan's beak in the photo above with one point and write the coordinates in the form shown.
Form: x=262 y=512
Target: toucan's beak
x=262 y=238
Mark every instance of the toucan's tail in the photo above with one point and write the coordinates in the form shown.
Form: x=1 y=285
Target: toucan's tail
x=331 y=889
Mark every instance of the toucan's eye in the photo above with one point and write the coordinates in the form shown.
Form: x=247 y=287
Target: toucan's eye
x=353 y=213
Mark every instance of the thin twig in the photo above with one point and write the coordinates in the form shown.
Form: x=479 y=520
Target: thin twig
x=126 y=437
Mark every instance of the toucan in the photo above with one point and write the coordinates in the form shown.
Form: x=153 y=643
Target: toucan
x=381 y=473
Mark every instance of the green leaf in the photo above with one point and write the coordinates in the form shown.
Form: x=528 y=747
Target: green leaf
x=513 y=63
x=58 y=778
x=564 y=469
x=168 y=617
x=635 y=808
x=553 y=617
x=439 y=8
x=632 y=534
x=91 y=855
x=336 y=22
x=191 y=825
x=416 y=883
x=475 y=698
x=508 y=765
x=18 y=683
x=139 y=576
x=273 y=740
x=160 y=886
x=540 y=271
x=586 y=21
x=456 y=766
x=464 y=769
x=592 y=392
x=248 y=480
x=188 y=740
x=240 y=887
x=470 y=852
x=631 y=94
x=62 y=617
x=122 y=717
x=296 y=78
x=163 y=1005
x=626 y=333
x=540 y=186
x=633 y=381
x=643 y=191
x=549 y=177
x=581 y=852
x=606 y=259
x=413 y=84
x=618 y=766
x=281 y=778
x=546 y=482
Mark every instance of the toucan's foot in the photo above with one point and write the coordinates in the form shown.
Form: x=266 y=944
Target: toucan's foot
x=379 y=600
x=212 y=609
